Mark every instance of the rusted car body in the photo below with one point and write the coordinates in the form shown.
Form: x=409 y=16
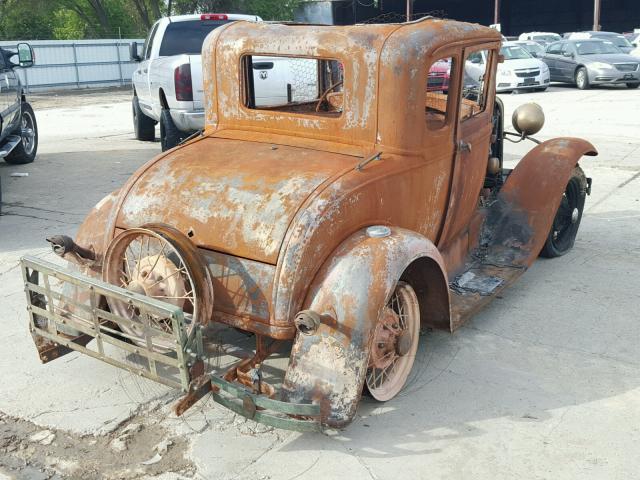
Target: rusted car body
x=340 y=225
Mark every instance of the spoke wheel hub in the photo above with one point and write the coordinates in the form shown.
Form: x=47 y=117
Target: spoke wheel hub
x=394 y=344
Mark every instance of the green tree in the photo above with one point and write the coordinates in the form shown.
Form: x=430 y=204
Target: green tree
x=103 y=18
x=26 y=19
x=267 y=9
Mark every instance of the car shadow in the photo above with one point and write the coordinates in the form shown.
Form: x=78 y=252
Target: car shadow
x=532 y=352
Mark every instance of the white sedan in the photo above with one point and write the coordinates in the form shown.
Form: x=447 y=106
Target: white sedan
x=521 y=70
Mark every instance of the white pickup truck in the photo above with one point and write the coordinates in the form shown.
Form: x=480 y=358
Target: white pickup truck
x=167 y=85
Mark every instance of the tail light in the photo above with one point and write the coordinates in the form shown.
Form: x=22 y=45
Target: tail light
x=182 y=80
x=214 y=16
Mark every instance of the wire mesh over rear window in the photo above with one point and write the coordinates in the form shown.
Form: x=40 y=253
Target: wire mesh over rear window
x=293 y=84
x=187 y=37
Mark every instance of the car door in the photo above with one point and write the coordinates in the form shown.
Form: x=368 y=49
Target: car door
x=141 y=79
x=4 y=96
x=551 y=59
x=472 y=139
x=13 y=96
x=567 y=62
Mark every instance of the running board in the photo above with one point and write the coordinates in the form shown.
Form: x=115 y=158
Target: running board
x=11 y=143
x=478 y=284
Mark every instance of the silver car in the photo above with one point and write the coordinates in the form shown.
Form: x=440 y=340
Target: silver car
x=591 y=62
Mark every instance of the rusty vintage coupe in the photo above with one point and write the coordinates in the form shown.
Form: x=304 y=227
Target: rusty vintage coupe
x=333 y=225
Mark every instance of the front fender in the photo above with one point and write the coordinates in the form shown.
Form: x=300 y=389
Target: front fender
x=328 y=367
x=527 y=203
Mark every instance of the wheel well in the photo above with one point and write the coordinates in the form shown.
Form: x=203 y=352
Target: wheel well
x=163 y=100
x=578 y=67
x=432 y=289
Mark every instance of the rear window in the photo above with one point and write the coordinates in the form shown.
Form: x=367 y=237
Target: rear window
x=293 y=84
x=187 y=37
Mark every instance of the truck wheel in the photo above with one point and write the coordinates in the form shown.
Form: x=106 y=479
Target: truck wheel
x=582 y=79
x=143 y=126
x=394 y=345
x=633 y=85
x=25 y=151
x=170 y=136
x=567 y=221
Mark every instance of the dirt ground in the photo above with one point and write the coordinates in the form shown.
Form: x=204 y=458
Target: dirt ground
x=542 y=384
x=137 y=448
x=77 y=98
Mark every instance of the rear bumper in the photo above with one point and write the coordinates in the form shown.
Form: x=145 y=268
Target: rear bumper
x=67 y=313
x=188 y=120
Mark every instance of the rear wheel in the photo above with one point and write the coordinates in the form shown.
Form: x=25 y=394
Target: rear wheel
x=567 y=220
x=633 y=85
x=25 y=151
x=395 y=343
x=170 y=136
x=143 y=126
x=582 y=78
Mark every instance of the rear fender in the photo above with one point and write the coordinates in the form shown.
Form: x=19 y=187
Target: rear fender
x=525 y=208
x=328 y=367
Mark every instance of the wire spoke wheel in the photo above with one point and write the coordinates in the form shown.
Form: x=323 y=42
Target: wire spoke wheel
x=394 y=344
x=157 y=264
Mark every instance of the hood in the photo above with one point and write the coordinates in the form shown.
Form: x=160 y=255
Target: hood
x=520 y=63
x=609 y=58
x=234 y=196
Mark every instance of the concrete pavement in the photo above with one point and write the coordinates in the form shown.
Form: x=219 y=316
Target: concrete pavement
x=544 y=383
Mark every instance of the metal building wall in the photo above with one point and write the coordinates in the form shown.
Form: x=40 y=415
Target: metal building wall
x=516 y=16
x=77 y=64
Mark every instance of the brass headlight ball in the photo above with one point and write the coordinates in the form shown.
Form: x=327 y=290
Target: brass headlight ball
x=528 y=119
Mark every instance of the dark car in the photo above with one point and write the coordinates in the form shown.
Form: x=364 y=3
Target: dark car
x=591 y=62
x=617 y=39
x=18 y=128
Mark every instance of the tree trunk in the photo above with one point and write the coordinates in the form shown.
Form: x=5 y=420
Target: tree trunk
x=101 y=15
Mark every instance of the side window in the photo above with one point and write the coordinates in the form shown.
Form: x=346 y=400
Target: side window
x=554 y=48
x=437 y=106
x=474 y=83
x=2 y=64
x=566 y=49
x=148 y=44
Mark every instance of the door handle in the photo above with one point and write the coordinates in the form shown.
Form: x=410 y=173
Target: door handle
x=464 y=146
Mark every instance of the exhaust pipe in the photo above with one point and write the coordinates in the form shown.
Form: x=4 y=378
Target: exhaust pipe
x=65 y=247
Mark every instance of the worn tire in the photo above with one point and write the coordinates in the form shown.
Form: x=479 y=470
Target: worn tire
x=170 y=136
x=143 y=126
x=633 y=85
x=582 y=79
x=22 y=153
x=566 y=223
